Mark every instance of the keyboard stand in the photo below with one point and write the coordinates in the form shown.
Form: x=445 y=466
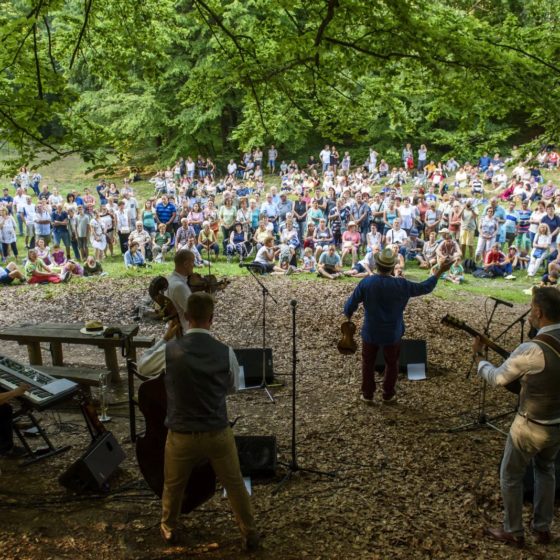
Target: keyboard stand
x=38 y=454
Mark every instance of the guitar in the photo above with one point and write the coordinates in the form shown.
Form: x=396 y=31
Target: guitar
x=450 y=321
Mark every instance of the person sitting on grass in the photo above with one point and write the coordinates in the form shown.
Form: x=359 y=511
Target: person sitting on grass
x=309 y=261
x=237 y=243
x=39 y=273
x=373 y=239
x=183 y=234
x=75 y=268
x=207 y=241
x=199 y=262
x=133 y=258
x=330 y=264
x=58 y=256
x=553 y=271
x=322 y=237
x=448 y=249
x=363 y=268
x=496 y=263
x=261 y=234
x=351 y=242
x=456 y=273
x=428 y=257
x=265 y=257
x=541 y=246
x=9 y=273
x=142 y=237
x=161 y=244
x=43 y=251
x=93 y=267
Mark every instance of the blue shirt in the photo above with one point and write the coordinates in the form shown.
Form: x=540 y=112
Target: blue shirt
x=133 y=260
x=384 y=299
x=56 y=217
x=553 y=223
x=165 y=211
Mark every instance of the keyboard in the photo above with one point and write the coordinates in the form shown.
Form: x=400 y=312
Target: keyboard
x=45 y=390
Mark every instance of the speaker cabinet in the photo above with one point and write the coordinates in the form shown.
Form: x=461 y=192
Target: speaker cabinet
x=412 y=352
x=251 y=361
x=94 y=468
x=257 y=455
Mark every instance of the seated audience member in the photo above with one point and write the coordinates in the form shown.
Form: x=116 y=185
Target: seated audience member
x=397 y=236
x=448 y=248
x=330 y=263
x=497 y=264
x=58 y=256
x=93 y=267
x=265 y=257
x=398 y=271
x=39 y=273
x=309 y=236
x=73 y=267
x=513 y=257
x=133 y=258
x=364 y=267
x=309 y=261
x=199 y=262
x=207 y=241
x=414 y=245
x=237 y=243
x=428 y=257
x=553 y=271
x=456 y=273
x=351 y=242
x=183 y=234
x=322 y=238
x=142 y=237
x=162 y=243
x=9 y=273
x=541 y=246
x=373 y=239
x=261 y=234
x=43 y=251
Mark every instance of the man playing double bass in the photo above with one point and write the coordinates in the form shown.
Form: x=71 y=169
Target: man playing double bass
x=199 y=372
x=535 y=432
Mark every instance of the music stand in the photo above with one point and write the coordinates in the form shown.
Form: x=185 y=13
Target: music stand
x=265 y=293
x=293 y=465
x=482 y=420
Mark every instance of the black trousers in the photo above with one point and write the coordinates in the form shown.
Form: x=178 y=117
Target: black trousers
x=6 y=432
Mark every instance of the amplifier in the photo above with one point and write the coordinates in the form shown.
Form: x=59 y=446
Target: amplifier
x=251 y=360
x=94 y=468
x=257 y=455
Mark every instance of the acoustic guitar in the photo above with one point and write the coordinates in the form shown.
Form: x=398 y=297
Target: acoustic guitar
x=513 y=387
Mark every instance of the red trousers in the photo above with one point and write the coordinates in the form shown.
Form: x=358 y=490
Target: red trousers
x=369 y=354
x=53 y=279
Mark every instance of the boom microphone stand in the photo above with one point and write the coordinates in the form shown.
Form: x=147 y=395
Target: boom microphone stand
x=482 y=420
x=293 y=465
x=265 y=292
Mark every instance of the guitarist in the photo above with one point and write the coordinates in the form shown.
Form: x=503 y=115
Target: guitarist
x=200 y=372
x=535 y=432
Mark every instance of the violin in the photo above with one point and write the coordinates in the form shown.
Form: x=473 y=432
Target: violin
x=209 y=283
x=347 y=345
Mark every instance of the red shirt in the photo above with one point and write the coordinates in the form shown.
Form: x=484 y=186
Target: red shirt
x=494 y=257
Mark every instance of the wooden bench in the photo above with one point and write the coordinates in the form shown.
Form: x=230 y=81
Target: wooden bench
x=57 y=334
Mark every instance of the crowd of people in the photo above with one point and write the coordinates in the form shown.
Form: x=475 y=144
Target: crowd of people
x=328 y=216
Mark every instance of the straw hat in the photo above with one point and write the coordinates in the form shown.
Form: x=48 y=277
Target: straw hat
x=385 y=258
x=93 y=328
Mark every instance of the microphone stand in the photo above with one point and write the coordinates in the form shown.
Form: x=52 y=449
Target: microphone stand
x=265 y=292
x=293 y=465
x=482 y=420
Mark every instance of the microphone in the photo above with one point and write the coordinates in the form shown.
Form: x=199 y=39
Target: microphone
x=498 y=300
x=293 y=303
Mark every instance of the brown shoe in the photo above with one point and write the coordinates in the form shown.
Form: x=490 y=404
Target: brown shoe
x=498 y=534
x=167 y=536
x=542 y=537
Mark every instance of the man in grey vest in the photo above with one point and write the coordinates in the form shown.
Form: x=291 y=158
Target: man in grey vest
x=199 y=372
x=535 y=432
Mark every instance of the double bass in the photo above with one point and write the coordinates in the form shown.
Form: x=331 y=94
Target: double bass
x=152 y=402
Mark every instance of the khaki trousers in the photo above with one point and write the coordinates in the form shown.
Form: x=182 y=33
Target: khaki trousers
x=182 y=452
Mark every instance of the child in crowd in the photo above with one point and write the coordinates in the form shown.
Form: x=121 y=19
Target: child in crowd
x=309 y=261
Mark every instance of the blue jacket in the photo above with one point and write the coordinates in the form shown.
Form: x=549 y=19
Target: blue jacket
x=385 y=299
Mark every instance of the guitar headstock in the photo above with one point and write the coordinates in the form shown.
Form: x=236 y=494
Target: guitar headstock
x=451 y=321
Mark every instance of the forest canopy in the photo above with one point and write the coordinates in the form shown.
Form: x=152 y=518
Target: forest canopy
x=164 y=77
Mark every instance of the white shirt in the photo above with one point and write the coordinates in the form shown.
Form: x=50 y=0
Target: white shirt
x=526 y=359
x=396 y=236
x=20 y=200
x=152 y=361
x=178 y=292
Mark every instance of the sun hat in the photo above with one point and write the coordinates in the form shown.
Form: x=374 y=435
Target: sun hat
x=92 y=328
x=351 y=224
x=444 y=230
x=385 y=258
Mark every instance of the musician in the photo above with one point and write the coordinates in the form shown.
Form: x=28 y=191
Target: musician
x=7 y=448
x=535 y=432
x=200 y=371
x=385 y=298
x=178 y=291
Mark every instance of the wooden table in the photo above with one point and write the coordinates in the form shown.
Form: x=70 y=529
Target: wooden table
x=57 y=334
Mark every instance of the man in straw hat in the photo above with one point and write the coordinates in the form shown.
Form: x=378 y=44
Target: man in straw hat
x=385 y=298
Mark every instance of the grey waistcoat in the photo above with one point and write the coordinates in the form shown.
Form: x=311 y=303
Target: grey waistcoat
x=197 y=380
x=540 y=393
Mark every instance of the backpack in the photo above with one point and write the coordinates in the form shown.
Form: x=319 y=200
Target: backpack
x=481 y=273
x=469 y=266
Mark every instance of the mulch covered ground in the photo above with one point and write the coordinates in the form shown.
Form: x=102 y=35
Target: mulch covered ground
x=404 y=488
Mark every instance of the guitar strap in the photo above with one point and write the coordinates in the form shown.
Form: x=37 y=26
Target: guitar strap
x=547 y=340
